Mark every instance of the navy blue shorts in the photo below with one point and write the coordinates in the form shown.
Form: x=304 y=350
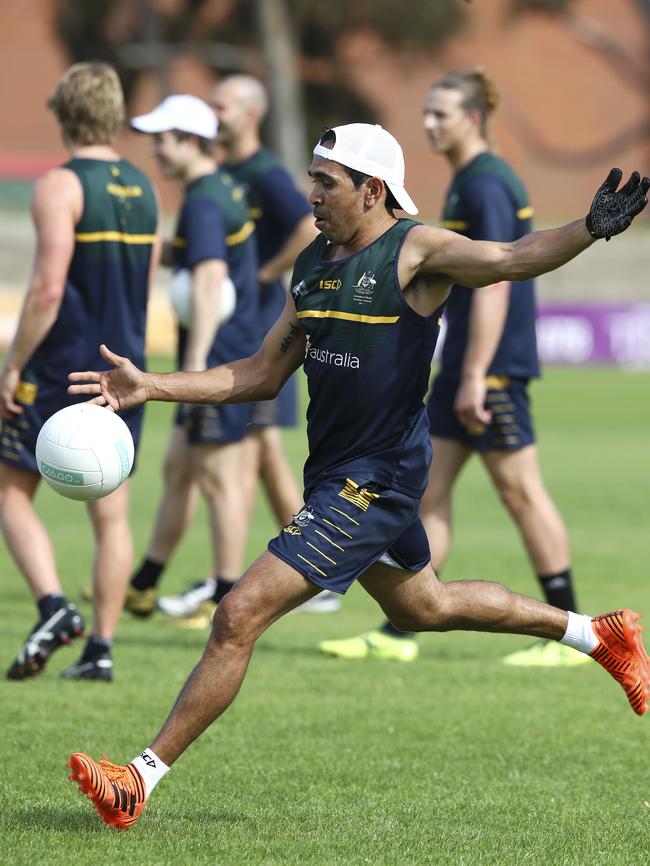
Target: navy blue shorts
x=18 y=436
x=214 y=425
x=507 y=398
x=281 y=412
x=345 y=527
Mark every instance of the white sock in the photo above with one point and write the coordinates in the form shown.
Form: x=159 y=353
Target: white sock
x=579 y=633
x=151 y=768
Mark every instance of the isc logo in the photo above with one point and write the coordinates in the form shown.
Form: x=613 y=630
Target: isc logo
x=334 y=285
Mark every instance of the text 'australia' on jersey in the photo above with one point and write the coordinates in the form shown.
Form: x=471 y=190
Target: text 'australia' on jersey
x=367 y=362
x=214 y=224
x=486 y=201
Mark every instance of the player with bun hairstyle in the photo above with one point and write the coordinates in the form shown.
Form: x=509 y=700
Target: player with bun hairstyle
x=479 y=401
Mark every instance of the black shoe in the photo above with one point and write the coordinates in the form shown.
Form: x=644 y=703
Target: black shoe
x=98 y=668
x=62 y=627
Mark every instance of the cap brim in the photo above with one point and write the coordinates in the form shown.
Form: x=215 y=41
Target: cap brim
x=154 y=121
x=403 y=199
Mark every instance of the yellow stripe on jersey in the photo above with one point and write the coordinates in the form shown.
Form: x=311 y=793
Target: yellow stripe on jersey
x=120 y=237
x=525 y=212
x=239 y=237
x=347 y=317
x=255 y=213
x=232 y=240
x=455 y=225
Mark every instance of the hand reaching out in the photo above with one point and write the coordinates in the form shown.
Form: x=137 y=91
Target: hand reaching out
x=612 y=211
x=118 y=389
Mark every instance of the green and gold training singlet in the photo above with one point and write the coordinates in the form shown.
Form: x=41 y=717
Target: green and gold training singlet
x=367 y=362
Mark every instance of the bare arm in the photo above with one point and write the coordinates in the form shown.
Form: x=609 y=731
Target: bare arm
x=302 y=235
x=487 y=319
x=429 y=252
x=56 y=207
x=207 y=278
x=434 y=251
x=259 y=377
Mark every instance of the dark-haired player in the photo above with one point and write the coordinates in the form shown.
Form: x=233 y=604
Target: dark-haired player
x=479 y=400
x=366 y=296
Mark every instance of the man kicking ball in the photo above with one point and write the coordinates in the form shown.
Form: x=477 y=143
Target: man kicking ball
x=362 y=318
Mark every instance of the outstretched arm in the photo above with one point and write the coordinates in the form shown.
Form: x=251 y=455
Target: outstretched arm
x=258 y=377
x=482 y=263
x=429 y=251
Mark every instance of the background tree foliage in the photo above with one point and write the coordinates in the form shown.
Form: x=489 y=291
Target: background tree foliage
x=303 y=72
x=104 y=28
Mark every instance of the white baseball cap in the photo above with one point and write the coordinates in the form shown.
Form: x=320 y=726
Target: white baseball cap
x=182 y=112
x=371 y=149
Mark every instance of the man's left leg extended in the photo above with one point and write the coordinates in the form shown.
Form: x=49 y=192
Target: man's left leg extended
x=420 y=602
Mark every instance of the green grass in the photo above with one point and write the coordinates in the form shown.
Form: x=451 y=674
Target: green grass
x=453 y=760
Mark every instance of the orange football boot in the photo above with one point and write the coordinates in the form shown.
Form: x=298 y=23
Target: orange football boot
x=117 y=793
x=621 y=652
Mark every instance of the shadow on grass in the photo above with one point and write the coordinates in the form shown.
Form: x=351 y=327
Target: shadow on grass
x=282 y=649
x=43 y=818
x=177 y=639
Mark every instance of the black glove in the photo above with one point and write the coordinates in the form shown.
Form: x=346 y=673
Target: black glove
x=612 y=212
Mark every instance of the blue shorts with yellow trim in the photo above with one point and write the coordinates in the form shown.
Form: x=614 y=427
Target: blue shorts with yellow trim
x=507 y=398
x=18 y=436
x=214 y=425
x=345 y=527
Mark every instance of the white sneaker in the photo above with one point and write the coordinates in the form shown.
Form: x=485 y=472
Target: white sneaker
x=188 y=602
x=324 y=602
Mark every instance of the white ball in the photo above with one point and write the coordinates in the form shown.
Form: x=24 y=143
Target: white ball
x=84 y=451
x=180 y=294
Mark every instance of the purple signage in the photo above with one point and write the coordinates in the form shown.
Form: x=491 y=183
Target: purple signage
x=590 y=333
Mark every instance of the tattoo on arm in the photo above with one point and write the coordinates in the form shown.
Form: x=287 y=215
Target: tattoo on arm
x=292 y=336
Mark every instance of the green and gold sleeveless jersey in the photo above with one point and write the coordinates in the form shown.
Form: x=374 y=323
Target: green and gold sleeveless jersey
x=367 y=363
x=106 y=292
x=214 y=224
x=487 y=202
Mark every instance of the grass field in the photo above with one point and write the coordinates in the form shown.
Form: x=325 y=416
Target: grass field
x=453 y=760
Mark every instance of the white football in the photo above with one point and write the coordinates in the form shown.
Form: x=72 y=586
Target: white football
x=84 y=451
x=180 y=294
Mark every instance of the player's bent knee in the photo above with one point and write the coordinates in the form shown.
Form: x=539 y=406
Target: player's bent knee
x=234 y=619
x=424 y=619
